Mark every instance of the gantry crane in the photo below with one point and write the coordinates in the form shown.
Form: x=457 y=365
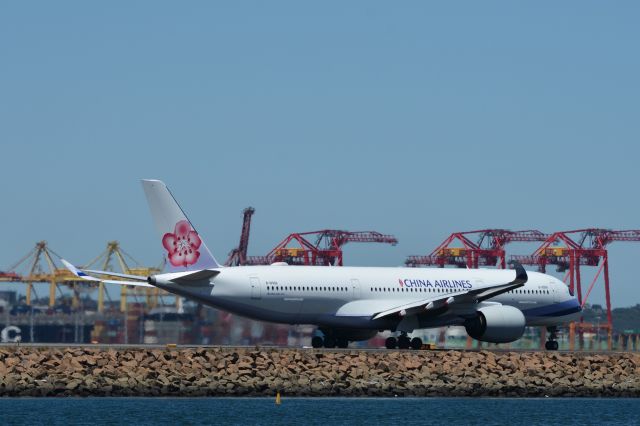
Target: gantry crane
x=104 y=262
x=587 y=248
x=238 y=256
x=327 y=249
x=41 y=268
x=488 y=249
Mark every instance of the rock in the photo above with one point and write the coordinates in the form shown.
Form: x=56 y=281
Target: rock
x=227 y=371
x=73 y=384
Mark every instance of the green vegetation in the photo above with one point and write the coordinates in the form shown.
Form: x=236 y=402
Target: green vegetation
x=625 y=320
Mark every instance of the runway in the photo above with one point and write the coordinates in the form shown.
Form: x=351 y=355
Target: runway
x=290 y=348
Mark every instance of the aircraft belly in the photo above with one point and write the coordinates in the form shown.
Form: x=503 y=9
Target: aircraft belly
x=258 y=310
x=551 y=320
x=314 y=308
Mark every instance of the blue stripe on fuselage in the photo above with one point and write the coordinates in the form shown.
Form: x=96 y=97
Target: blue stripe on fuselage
x=555 y=310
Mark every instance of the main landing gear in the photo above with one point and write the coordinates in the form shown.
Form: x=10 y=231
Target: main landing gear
x=403 y=342
x=552 y=343
x=329 y=342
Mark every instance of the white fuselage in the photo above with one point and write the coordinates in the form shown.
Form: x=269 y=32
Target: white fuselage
x=346 y=297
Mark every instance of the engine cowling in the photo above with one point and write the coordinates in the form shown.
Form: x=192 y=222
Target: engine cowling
x=496 y=324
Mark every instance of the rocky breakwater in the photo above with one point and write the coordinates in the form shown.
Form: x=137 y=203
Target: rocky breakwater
x=28 y=371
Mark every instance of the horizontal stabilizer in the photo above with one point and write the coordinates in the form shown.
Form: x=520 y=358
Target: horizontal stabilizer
x=195 y=277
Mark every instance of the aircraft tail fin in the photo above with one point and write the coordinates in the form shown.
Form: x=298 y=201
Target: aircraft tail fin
x=184 y=248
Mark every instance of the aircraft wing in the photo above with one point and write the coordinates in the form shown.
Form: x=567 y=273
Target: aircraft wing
x=459 y=297
x=115 y=274
x=135 y=280
x=192 y=278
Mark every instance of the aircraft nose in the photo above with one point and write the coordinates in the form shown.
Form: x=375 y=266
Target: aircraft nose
x=576 y=307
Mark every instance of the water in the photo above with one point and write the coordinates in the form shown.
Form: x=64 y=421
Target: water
x=318 y=411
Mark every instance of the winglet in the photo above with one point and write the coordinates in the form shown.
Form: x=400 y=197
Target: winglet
x=78 y=273
x=521 y=273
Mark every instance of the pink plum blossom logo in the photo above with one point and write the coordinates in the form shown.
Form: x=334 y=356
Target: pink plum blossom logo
x=401 y=282
x=182 y=245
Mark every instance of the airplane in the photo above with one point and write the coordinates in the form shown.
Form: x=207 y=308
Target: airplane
x=350 y=304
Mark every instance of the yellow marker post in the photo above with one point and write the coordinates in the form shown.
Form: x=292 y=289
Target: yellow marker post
x=278 y=398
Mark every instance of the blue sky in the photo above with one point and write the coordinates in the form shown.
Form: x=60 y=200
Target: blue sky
x=415 y=118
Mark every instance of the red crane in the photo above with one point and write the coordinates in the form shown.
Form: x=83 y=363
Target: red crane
x=487 y=250
x=238 y=256
x=327 y=249
x=10 y=277
x=588 y=249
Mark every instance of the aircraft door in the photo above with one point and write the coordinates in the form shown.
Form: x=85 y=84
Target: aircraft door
x=355 y=288
x=256 y=290
x=554 y=291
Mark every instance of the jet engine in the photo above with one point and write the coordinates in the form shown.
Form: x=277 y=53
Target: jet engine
x=496 y=324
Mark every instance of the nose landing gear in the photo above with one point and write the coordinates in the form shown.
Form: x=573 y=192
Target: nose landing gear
x=552 y=342
x=416 y=343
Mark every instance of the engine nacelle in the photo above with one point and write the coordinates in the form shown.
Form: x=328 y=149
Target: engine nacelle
x=496 y=324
